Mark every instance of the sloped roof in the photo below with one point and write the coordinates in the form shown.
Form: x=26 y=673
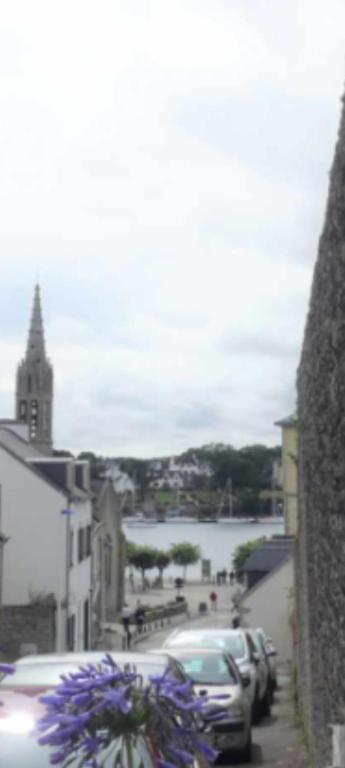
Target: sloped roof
x=270 y=555
x=270 y=575
x=289 y=421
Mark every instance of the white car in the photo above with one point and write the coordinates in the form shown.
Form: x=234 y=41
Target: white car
x=215 y=673
x=240 y=645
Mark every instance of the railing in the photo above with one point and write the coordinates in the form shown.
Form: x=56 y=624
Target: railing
x=156 y=619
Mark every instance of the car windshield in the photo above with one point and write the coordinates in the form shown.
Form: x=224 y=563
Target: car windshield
x=233 y=644
x=210 y=670
x=38 y=675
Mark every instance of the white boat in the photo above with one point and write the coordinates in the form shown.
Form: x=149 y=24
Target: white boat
x=139 y=521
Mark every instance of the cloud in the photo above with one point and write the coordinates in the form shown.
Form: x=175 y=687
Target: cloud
x=164 y=174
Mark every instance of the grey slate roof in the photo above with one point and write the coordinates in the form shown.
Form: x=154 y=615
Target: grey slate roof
x=270 y=555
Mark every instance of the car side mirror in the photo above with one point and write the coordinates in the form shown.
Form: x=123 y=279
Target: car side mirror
x=245 y=681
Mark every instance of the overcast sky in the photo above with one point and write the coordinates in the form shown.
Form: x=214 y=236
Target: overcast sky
x=164 y=171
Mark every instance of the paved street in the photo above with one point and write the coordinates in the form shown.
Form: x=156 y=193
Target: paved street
x=276 y=739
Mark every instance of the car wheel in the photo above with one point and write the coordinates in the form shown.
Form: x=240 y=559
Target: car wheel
x=266 y=703
x=246 y=753
x=256 y=708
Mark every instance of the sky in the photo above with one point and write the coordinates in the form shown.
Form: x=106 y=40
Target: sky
x=164 y=173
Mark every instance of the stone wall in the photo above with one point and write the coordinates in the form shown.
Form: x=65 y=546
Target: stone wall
x=320 y=562
x=29 y=625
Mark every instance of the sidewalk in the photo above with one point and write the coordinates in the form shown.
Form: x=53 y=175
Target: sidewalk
x=194 y=593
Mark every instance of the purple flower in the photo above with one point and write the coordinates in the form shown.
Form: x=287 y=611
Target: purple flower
x=94 y=707
x=7 y=669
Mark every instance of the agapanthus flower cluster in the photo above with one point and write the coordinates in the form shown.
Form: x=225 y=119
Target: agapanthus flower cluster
x=102 y=710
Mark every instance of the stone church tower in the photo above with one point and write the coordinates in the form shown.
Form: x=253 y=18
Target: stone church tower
x=34 y=392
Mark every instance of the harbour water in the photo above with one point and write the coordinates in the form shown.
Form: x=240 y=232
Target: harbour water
x=217 y=541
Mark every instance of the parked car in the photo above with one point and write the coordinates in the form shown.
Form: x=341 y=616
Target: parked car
x=271 y=656
x=45 y=670
x=214 y=672
x=240 y=645
x=20 y=707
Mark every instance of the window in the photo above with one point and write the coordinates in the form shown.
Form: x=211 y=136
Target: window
x=71 y=632
x=88 y=540
x=29 y=382
x=80 y=545
x=71 y=548
x=33 y=418
x=23 y=410
x=108 y=554
x=211 y=670
x=46 y=415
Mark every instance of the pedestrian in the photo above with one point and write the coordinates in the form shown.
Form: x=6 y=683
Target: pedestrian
x=213 y=600
x=126 y=620
x=139 y=617
x=231 y=577
x=224 y=576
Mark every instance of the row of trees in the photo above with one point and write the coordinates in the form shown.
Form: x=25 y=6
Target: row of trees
x=145 y=558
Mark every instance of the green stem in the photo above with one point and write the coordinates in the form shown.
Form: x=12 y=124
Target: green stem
x=129 y=752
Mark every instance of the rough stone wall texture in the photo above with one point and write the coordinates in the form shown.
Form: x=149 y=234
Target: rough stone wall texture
x=320 y=565
x=32 y=624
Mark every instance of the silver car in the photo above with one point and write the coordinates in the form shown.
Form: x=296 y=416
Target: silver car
x=215 y=673
x=240 y=645
x=271 y=657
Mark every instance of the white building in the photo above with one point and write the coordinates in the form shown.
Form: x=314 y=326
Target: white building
x=46 y=515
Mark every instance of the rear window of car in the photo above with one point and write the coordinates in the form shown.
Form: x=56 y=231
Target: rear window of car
x=210 y=670
x=233 y=644
x=40 y=675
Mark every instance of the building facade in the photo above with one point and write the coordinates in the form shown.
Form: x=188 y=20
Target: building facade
x=34 y=387
x=289 y=467
x=46 y=518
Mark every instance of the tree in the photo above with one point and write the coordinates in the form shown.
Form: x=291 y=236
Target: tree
x=242 y=552
x=143 y=559
x=185 y=554
x=130 y=549
x=163 y=559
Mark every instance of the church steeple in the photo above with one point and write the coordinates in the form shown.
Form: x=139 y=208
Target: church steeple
x=35 y=350
x=34 y=395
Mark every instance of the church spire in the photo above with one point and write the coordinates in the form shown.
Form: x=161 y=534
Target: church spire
x=34 y=395
x=35 y=350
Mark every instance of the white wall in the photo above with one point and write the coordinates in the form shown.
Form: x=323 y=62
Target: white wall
x=34 y=558
x=270 y=607
x=80 y=573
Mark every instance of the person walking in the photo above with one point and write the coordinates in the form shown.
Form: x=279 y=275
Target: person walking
x=213 y=600
x=139 y=617
x=126 y=620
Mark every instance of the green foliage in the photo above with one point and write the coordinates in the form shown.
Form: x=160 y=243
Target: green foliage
x=163 y=559
x=130 y=550
x=243 y=551
x=185 y=554
x=143 y=558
